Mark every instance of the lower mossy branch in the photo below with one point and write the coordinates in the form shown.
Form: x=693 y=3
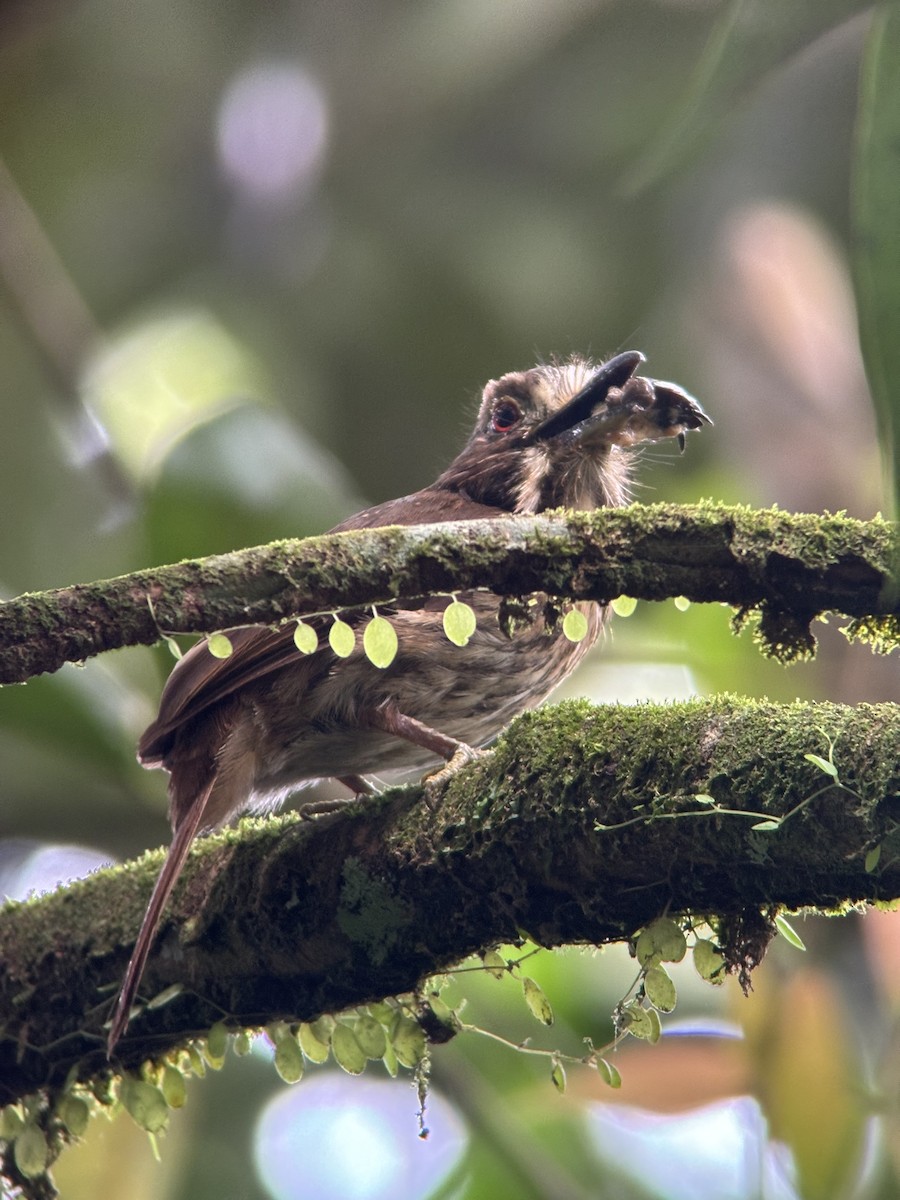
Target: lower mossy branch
x=581 y=826
x=791 y=566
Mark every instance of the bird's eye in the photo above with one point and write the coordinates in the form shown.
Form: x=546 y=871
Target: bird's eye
x=506 y=414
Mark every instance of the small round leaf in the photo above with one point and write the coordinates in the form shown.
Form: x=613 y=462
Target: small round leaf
x=315 y=1050
x=31 y=1152
x=341 y=638
x=623 y=606
x=608 y=1073
x=216 y=1043
x=636 y=1020
x=408 y=1041
x=494 y=963
x=173 y=1087
x=662 y=941
x=145 y=1104
x=380 y=642
x=709 y=963
x=389 y=1058
x=371 y=1037
x=288 y=1058
x=575 y=625
x=219 y=645
x=305 y=638
x=348 y=1053
x=459 y=622
x=174 y=648
x=195 y=1058
x=75 y=1113
x=558 y=1077
x=12 y=1122
x=659 y=989
x=537 y=1001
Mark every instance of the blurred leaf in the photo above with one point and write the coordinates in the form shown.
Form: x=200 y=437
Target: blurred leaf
x=876 y=246
x=151 y=384
x=807 y=1081
x=79 y=713
x=246 y=477
x=750 y=39
x=558 y=1076
x=787 y=931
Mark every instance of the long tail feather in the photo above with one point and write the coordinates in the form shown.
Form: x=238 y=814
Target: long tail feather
x=171 y=869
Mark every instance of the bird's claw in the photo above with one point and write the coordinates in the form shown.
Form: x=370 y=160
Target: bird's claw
x=436 y=782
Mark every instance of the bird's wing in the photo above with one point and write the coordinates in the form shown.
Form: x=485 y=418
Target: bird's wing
x=200 y=680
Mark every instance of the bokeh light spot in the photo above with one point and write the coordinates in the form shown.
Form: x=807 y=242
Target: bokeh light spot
x=273 y=131
x=338 y=1138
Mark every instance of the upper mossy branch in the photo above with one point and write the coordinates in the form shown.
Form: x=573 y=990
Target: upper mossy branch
x=582 y=825
x=790 y=566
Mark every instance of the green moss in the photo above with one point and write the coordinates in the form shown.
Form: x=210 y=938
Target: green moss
x=370 y=914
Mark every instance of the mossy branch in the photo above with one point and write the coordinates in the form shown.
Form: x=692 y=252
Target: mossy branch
x=581 y=826
x=791 y=566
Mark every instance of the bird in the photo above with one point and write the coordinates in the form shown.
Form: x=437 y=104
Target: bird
x=239 y=734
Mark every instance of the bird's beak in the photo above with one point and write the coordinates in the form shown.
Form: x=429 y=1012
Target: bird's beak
x=613 y=374
x=617 y=407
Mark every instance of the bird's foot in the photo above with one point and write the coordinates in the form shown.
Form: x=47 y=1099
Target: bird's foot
x=437 y=780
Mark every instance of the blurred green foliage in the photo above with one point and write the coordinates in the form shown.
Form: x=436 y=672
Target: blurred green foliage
x=256 y=262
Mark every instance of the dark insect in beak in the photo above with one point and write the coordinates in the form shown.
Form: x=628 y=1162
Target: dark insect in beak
x=613 y=374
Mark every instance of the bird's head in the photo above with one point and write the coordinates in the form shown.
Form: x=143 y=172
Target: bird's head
x=559 y=435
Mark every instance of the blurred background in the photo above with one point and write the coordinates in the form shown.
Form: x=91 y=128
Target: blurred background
x=256 y=262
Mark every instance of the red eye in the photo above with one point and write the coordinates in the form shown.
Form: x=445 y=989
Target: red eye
x=505 y=415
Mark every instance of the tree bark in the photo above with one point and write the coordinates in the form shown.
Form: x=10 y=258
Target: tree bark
x=581 y=826
x=791 y=567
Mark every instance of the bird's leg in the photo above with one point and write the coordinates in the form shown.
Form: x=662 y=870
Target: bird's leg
x=357 y=785
x=388 y=717
x=320 y=808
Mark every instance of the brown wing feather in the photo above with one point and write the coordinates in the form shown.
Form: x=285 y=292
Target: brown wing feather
x=199 y=680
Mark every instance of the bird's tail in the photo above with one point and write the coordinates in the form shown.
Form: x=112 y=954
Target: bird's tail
x=168 y=877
